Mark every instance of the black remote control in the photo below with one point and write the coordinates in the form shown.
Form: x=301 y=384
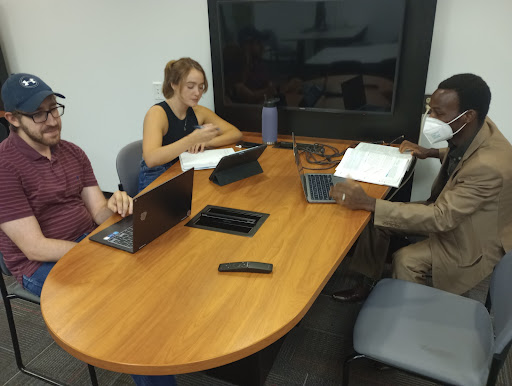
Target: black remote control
x=246 y=266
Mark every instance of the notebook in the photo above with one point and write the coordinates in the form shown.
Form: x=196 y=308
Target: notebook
x=207 y=159
x=316 y=186
x=154 y=212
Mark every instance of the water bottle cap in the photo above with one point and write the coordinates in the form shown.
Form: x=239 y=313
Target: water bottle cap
x=272 y=102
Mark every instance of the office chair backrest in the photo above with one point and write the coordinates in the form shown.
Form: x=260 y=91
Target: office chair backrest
x=4 y=132
x=128 y=166
x=3 y=267
x=501 y=288
x=17 y=291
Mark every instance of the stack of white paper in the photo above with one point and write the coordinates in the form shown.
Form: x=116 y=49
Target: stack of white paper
x=207 y=159
x=377 y=164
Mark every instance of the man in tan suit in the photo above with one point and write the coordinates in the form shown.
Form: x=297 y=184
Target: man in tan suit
x=467 y=221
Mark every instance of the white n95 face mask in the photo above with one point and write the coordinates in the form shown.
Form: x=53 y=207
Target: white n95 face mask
x=437 y=131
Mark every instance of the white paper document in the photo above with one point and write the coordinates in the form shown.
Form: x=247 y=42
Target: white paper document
x=377 y=164
x=207 y=159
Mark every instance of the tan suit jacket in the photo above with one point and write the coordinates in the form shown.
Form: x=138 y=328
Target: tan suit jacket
x=470 y=222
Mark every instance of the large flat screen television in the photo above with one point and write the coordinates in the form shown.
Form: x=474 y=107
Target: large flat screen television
x=312 y=55
x=353 y=69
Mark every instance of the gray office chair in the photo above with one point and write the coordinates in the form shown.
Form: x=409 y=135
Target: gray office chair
x=128 y=166
x=16 y=291
x=435 y=334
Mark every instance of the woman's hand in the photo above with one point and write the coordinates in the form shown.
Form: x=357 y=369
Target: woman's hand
x=197 y=148
x=205 y=134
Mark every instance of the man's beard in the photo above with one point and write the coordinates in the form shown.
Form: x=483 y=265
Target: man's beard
x=38 y=136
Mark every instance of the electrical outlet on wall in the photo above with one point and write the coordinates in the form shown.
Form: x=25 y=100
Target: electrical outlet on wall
x=157 y=92
x=426 y=100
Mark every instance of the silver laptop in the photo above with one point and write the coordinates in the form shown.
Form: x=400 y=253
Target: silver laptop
x=316 y=186
x=154 y=212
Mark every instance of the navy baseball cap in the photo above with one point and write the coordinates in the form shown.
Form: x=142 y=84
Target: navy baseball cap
x=25 y=92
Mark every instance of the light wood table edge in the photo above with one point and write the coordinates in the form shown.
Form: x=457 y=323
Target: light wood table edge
x=217 y=361
x=206 y=364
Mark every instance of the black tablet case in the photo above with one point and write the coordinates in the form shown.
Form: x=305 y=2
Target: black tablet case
x=237 y=166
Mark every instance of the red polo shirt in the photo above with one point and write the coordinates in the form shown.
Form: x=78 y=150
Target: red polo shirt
x=50 y=190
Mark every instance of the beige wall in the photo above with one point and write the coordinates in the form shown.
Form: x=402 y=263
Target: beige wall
x=104 y=56
x=470 y=36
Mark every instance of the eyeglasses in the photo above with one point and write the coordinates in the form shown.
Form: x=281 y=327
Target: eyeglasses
x=42 y=116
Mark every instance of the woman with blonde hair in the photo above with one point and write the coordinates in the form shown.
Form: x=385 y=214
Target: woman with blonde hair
x=179 y=123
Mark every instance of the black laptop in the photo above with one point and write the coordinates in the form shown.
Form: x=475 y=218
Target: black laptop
x=316 y=186
x=154 y=212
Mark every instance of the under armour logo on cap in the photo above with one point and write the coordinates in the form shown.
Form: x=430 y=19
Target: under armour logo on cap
x=28 y=82
x=25 y=92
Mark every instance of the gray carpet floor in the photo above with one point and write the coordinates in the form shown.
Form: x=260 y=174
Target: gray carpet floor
x=312 y=353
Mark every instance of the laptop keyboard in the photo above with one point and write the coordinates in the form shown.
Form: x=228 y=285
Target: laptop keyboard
x=123 y=238
x=319 y=186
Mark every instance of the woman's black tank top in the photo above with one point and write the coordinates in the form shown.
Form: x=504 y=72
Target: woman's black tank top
x=177 y=128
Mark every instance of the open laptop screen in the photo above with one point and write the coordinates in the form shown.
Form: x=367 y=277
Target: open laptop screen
x=298 y=162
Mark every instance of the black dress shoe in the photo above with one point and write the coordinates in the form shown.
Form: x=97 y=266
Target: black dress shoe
x=356 y=294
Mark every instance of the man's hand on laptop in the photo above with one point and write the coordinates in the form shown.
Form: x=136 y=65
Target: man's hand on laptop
x=120 y=203
x=350 y=194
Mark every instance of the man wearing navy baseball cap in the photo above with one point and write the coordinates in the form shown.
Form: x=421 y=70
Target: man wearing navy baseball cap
x=25 y=92
x=50 y=196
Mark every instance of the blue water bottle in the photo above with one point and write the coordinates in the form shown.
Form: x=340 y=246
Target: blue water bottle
x=269 y=121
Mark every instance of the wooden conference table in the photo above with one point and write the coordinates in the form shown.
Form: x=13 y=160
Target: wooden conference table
x=167 y=310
